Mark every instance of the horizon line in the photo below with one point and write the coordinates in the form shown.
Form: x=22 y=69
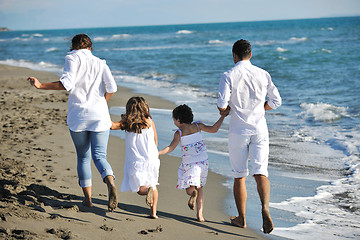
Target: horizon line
x=178 y=24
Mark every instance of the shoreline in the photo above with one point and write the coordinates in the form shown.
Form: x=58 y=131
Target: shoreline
x=39 y=194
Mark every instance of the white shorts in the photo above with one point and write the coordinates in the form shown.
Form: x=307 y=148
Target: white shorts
x=254 y=148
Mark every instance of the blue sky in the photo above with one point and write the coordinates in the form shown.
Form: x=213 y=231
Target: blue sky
x=58 y=14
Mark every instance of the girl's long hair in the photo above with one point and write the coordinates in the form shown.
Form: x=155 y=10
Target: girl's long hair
x=137 y=114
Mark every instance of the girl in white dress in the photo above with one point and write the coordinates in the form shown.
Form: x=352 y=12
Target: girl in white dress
x=141 y=169
x=194 y=166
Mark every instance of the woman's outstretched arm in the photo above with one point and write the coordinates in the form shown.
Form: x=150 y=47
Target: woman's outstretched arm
x=46 y=86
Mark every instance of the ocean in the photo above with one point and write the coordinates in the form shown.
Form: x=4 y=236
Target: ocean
x=314 y=164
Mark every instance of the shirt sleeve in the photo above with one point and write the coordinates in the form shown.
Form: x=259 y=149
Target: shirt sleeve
x=273 y=95
x=108 y=79
x=69 y=74
x=224 y=91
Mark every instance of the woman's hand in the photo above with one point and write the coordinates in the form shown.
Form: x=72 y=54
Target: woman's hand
x=34 y=82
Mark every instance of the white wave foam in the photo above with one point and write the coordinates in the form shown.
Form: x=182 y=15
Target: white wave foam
x=158 y=76
x=18 y=39
x=216 y=42
x=37 y=35
x=184 y=32
x=99 y=39
x=167 y=89
x=279 y=49
x=43 y=66
x=120 y=36
x=296 y=39
x=53 y=49
x=322 y=112
x=333 y=213
x=265 y=43
x=326 y=50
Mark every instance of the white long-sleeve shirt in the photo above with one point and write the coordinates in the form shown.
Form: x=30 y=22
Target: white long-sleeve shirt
x=245 y=88
x=87 y=78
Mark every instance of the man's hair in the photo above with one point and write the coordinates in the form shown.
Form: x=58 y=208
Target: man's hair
x=242 y=49
x=81 y=41
x=183 y=113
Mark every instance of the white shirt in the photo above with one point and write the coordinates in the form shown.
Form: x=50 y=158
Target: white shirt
x=87 y=78
x=245 y=88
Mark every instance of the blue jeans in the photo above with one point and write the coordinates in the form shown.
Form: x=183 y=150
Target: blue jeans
x=91 y=144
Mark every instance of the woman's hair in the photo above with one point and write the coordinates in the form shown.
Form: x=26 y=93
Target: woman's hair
x=136 y=116
x=81 y=41
x=183 y=113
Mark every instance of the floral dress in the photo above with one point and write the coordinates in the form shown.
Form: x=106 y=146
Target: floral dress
x=194 y=166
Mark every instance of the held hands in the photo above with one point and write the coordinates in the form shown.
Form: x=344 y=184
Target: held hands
x=224 y=111
x=34 y=82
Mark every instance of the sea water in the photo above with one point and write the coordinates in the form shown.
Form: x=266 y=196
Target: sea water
x=314 y=136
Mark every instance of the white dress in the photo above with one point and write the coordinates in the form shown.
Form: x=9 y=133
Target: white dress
x=142 y=161
x=194 y=166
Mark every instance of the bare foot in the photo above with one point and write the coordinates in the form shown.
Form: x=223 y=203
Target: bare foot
x=236 y=221
x=149 y=197
x=192 y=200
x=154 y=217
x=112 y=198
x=87 y=203
x=200 y=218
x=268 y=225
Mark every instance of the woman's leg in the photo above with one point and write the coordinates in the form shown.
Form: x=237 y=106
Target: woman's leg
x=82 y=145
x=99 y=141
x=87 y=194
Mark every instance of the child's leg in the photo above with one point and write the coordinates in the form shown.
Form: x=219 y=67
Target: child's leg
x=154 y=205
x=199 y=204
x=192 y=200
x=151 y=198
x=190 y=190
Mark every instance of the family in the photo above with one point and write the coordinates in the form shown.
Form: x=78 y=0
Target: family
x=245 y=91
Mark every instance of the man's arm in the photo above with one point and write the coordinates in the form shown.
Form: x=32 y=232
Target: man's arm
x=224 y=93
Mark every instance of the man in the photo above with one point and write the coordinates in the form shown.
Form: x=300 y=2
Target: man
x=249 y=92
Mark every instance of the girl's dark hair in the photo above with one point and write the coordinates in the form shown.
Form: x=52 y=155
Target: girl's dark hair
x=242 y=49
x=81 y=41
x=183 y=113
x=137 y=113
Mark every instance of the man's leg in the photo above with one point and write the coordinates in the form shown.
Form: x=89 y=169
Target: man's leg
x=240 y=195
x=263 y=187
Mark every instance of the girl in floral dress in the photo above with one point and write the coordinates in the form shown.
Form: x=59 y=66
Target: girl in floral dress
x=194 y=166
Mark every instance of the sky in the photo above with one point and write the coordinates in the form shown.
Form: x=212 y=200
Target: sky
x=63 y=14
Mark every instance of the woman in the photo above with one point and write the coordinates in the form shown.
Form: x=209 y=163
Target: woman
x=90 y=84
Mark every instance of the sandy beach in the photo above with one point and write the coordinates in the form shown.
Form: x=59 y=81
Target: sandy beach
x=39 y=194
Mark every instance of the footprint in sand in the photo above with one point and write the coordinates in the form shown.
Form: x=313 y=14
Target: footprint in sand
x=158 y=229
x=106 y=228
